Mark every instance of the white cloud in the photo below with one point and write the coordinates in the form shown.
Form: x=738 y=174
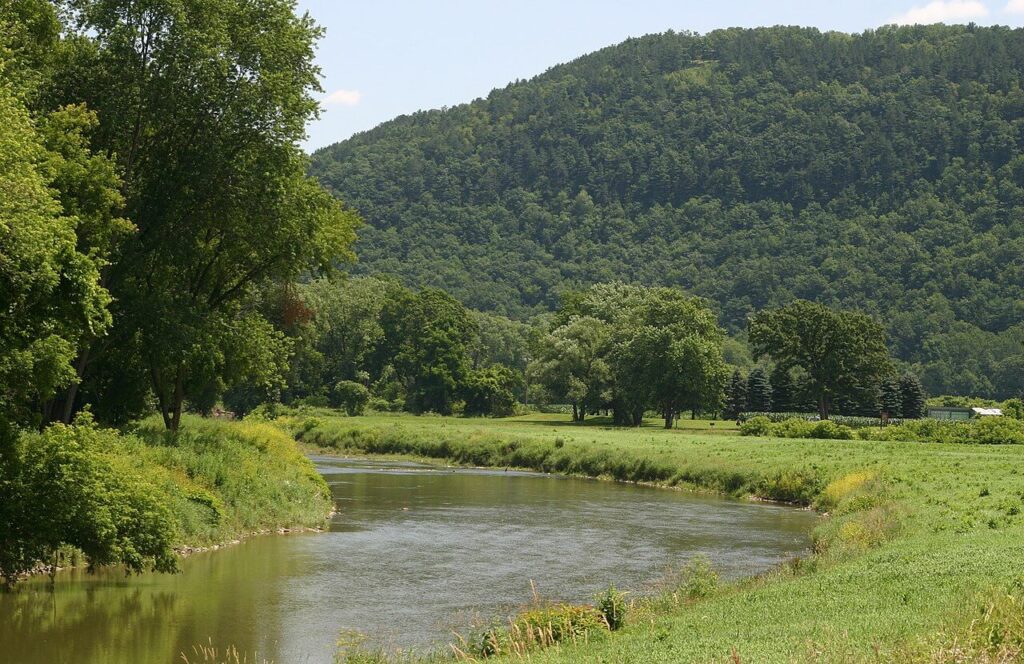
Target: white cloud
x=1015 y=7
x=945 y=11
x=343 y=98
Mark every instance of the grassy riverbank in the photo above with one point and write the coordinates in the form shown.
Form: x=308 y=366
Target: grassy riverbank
x=919 y=539
x=88 y=495
x=226 y=480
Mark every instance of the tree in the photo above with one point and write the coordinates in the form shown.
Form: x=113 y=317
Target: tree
x=491 y=391
x=912 y=397
x=50 y=289
x=783 y=390
x=667 y=355
x=735 y=396
x=571 y=364
x=843 y=353
x=759 y=391
x=889 y=397
x=428 y=336
x=205 y=115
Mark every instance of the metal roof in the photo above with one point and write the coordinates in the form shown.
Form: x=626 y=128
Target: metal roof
x=987 y=412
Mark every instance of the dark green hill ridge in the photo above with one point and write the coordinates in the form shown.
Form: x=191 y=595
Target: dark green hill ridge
x=883 y=171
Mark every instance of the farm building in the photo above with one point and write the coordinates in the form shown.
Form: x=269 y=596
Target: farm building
x=955 y=413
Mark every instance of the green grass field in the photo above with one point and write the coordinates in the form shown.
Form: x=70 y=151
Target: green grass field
x=919 y=539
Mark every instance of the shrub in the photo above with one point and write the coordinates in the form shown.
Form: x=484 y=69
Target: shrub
x=791 y=486
x=756 y=426
x=612 y=605
x=829 y=430
x=997 y=431
x=67 y=489
x=351 y=396
x=534 y=628
x=698 y=579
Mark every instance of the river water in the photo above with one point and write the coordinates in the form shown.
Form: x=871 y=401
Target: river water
x=413 y=553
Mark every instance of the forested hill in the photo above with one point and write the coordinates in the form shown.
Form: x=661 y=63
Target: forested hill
x=882 y=171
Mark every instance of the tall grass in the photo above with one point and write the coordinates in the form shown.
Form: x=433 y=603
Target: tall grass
x=230 y=479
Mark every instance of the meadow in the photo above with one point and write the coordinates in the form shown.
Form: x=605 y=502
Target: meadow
x=919 y=555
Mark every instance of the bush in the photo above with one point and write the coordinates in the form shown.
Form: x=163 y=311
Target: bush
x=612 y=605
x=351 y=396
x=535 y=628
x=756 y=426
x=791 y=486
x=829 y=430
x=997 y=431
x=698 y=579
x=67 y=489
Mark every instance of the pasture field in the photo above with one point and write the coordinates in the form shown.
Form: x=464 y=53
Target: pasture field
x=919 y=555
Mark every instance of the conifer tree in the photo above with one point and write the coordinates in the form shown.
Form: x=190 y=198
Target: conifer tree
x=735 y=396
x=782 y=390
x=911 y=397
x=889 y=397
x=759 y=391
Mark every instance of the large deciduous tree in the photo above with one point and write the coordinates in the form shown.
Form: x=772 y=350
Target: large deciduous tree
x=843 y=353
x=204 y=103
x=572 y=364
x=668 y=355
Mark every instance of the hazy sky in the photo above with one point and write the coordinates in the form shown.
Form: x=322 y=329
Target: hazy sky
x=383 y=58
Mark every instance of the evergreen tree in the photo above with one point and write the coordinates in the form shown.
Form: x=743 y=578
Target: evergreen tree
x=889 y=397
x=782 y=389
x=911 y=397
x=759 y=391
x=735 y=396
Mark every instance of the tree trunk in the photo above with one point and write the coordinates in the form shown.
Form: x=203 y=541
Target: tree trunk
x=179 y=398
x=823 y=406
x=669 y=419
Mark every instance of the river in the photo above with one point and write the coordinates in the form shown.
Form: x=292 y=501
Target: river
x=414 y=552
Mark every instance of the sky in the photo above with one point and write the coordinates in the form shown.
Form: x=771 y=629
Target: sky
x=384 y=58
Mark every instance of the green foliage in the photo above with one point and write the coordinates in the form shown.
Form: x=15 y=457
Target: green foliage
x=879 y=170
x=759 y=425
x=759 y=391
x=629 y=349
x=535 y=628
x=351 y=396
x=783 y=389
x=698 y=579
x=912 y=399
x=490 y=392
x=843 y=353
x=982 y=431
x=735 y=396
x=49 y=275
x=890 y=397
x=427 y=336
x=204 y=118
x=68 y=487
x=612 y=605
x=572 y=364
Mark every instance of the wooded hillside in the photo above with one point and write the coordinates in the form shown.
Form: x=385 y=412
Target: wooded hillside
x=881 y=171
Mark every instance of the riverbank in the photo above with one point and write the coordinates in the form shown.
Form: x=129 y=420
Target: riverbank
x=143 y=497
x=919 y=539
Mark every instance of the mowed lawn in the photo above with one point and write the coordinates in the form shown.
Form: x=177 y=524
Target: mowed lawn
x=921 y=538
